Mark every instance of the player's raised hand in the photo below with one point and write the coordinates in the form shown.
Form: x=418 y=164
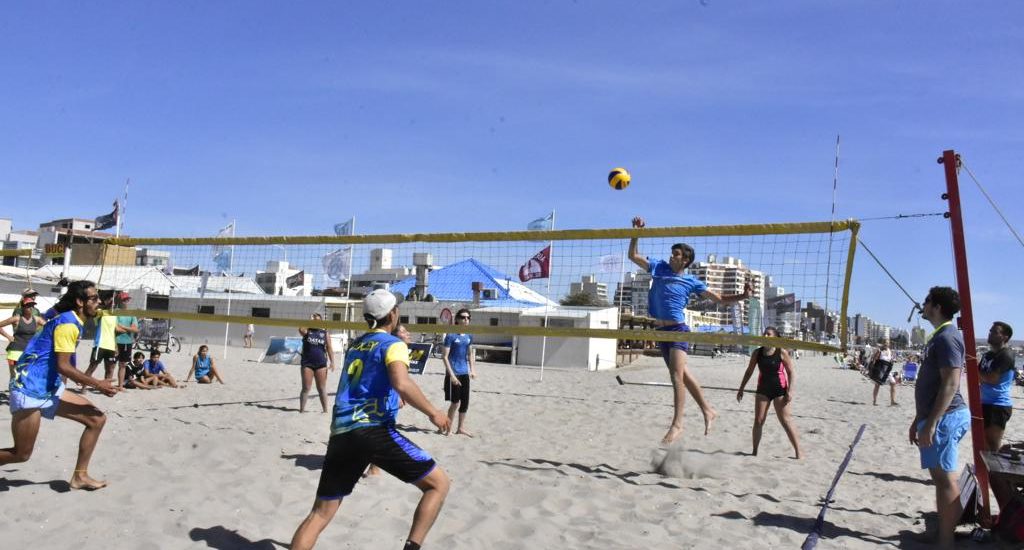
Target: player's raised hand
x=638 y=222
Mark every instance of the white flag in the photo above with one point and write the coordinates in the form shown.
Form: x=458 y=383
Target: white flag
x=611 y=263
x=542 y=224
x=337 y=264
x=222 y=254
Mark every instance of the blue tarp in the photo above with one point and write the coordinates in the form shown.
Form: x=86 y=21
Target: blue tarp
x=454 y=283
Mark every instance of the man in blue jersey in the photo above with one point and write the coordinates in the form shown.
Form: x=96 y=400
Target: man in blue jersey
x=670 y=292
x=997 y=375
x=941 y=418
x=374 y=378
x=37 y=389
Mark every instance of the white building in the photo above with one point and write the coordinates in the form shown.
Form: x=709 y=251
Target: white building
x=381 y=274
x=632 y=293
x=283 y=280
x=727 y=276
x=588 y=285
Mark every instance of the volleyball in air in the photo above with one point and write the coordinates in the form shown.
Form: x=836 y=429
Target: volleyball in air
x=619 y=178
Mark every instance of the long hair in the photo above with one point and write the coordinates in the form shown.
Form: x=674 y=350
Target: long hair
x=76 y=291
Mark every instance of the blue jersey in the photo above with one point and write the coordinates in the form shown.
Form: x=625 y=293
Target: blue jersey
x=670 y=292
x=203 y=366
x=1000 y=363
x=314 y=348
x=365 y=395
x=153 y=368
x=458 y=351
x=36 y=373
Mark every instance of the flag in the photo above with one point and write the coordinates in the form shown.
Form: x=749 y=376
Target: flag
x=222 y=253
x=336 y=264
x=344 y=228
x=106 y=221
x=610 y=263
x=537 y=267
x=545 y=223
x=296 y=280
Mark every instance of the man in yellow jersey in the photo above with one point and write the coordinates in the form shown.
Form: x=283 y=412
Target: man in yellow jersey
x=37 y=389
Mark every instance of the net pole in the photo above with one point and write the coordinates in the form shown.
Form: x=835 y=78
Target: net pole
x=547 y=296
x=951 y=163
x=843 y=307
x=227 y=287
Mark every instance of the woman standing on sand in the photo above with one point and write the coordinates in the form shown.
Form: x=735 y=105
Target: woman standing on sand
x=774 y=386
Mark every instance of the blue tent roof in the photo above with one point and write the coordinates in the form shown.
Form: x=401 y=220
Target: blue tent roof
x=454 y=283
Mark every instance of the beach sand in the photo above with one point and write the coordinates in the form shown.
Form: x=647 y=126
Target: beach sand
x=564 y=463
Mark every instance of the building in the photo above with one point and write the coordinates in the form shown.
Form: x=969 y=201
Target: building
x=917 y=336
x=381 y=274
x=283 y=280
x=588 y=285
x=727 y=276
x=150 y=257
x=632 y=293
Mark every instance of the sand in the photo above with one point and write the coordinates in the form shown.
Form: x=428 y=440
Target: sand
x=569 y=462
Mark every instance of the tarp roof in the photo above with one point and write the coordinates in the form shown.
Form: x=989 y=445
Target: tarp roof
x=454 y=283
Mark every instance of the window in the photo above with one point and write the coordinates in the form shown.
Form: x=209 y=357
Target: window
x=426 y=320
x=157 y=303
x=206 y=310
x=404 y=319
x=261 y=312
x=558 y=323
x=335 y=316
x=494 y=321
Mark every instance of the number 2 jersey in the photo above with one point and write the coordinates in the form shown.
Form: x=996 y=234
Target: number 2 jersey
x=365 y=395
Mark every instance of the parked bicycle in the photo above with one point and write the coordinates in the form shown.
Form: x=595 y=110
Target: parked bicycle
x=155 y=335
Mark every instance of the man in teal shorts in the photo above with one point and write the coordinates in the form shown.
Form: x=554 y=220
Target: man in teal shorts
x=37 y=389
x=942 y=418
x=363 y=432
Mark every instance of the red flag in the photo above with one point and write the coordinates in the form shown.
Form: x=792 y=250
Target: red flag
x=537 y=267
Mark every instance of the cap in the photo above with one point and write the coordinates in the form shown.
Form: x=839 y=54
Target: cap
x=124 y=296
x=380 y=302
x=29 y=292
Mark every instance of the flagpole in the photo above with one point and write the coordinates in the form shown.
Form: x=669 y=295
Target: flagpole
x=348 y=279
x=123 y=206
x=547 y=302
x=227 y=287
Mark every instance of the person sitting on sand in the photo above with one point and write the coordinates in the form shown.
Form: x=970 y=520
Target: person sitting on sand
x=37 y=389
x=135 y=375
x=670 y=293
x=204 y=368
x=155 y=368
x=774 y=386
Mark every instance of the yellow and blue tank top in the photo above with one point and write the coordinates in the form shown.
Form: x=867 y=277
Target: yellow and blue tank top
x=36 y=374
x=365 y=396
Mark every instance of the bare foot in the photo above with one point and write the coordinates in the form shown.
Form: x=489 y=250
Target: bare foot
x=83 y=482
x=709 y=419
x=464 y=432
x=673 y=434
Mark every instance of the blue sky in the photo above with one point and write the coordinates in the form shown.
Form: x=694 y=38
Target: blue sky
x=438 y=116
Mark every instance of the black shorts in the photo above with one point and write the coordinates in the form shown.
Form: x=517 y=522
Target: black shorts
x=105 y=355
x=772 y=392
x=124 y=353
x=996 y=415
x=457 y=394
x=314 y=367
x=349 y=453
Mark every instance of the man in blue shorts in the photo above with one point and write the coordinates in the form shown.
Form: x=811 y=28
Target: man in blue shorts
x=363 y=431
x=670 y=293
x=37 y=389
x=942 y=418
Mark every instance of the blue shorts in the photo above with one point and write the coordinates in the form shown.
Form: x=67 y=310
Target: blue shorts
x=48 y=406
x=666 y=346
x=943 y=452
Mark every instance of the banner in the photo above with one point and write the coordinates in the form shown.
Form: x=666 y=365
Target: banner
x=106 y=221
x=611 y=263
x=296 y=280
x=336 y=264
x=222 y=254
x=344 y=228
x=542 y=224
x=537 y=267
x=418 y=355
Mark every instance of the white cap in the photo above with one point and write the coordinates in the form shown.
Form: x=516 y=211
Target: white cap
x=380 y=302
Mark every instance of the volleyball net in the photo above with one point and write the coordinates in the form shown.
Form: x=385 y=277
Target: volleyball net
x=576 y=283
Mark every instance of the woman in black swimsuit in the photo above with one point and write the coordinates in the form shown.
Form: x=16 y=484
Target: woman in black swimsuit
x=774 y=385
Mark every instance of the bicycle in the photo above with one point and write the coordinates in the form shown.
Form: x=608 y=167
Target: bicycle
x=156 y=333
